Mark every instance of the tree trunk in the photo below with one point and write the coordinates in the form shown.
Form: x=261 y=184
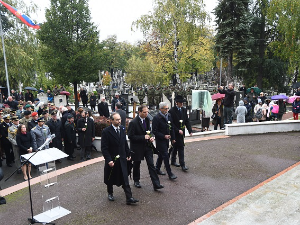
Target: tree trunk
x=260 y=72
x=229 y=68
x=75 y=93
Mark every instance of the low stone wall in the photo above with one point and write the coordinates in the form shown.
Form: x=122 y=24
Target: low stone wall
x=262 y=127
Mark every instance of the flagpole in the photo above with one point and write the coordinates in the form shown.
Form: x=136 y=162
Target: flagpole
x=6 y=72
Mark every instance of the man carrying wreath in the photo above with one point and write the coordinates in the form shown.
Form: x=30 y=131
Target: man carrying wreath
x=180 y=122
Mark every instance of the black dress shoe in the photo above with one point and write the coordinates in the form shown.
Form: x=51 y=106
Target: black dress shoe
x=175 y=164
x=184 y=168
x=172 y=177
x=158 y=187
x=9 y=165
x=159 y=172
x=137 y=184
x=111 y=197
x=131 y=201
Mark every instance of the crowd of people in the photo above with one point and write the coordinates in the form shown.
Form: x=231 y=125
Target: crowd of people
x=252 y=108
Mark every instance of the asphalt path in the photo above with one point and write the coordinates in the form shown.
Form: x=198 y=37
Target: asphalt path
x=219 y=170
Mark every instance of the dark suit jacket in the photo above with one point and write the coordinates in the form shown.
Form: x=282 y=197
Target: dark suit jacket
x=136 y=134
x=176 y=117
x=160 y=128
x=103 y=109
x=123 y=116
x=4 y=134
x=111 y=146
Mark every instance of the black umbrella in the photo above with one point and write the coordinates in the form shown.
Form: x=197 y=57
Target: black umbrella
x=30 y=88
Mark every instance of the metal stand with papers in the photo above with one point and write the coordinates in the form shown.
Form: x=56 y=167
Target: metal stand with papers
x=52 y=210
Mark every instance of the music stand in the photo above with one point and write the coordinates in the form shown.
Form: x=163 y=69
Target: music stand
x=45 y=157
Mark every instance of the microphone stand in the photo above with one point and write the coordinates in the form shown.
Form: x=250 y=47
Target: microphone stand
x=27 y=162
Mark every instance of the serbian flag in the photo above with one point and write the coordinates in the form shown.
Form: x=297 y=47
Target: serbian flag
x=25 y=19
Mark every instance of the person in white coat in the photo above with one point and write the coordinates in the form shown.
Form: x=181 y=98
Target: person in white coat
x=241 y=112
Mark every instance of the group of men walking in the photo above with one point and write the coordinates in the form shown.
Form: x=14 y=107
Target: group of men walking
x=167 y=126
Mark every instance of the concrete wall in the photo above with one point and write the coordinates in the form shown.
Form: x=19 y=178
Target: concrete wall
x=262 y=127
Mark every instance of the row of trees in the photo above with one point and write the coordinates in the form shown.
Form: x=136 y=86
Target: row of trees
x=258 y=38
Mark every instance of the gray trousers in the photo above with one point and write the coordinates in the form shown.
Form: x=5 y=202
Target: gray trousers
x=17 y=155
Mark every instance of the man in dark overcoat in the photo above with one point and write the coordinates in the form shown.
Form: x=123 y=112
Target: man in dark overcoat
x=103 y=108
x=163 y=130
x=70 y=137
x=140 y=146
x=180 y=121
x=86 y=135
x=116 y=153
x=55 y=127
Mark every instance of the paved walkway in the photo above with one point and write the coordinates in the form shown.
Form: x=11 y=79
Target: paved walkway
x=273 y=202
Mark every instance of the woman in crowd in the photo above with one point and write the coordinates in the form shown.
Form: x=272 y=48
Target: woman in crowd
x=218 y=118
x=24 y=142
x=296 y=108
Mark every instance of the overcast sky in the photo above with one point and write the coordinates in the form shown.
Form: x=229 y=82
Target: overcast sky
x=114 y=17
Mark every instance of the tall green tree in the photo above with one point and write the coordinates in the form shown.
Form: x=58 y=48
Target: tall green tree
x=70 y=43
x=171 y=30
x=21 y=47
x=284 y=20
x=233 y=31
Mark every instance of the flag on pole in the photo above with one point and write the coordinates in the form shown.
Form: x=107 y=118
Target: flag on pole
x=25 y=19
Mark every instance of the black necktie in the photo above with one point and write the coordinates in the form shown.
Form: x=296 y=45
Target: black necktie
x=118 y=131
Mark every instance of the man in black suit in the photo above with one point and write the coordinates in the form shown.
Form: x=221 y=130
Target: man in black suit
x=116 y=153
x=140 y=140
x=163 y=130
x=103 y=108
x=122 y=113
x=117 y=99
x=180 y=121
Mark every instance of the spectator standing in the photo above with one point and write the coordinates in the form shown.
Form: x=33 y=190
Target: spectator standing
x=228 y=102
x=49 y=96
x=296 y=108
x=86 y=135
x=84 y=97
x=244 y=90
x=117 y=99
x=217 y=111
x=122 y=113
x=55 y=127
x=241 y=112
x=93 y=100
x=281 y=105
x=39 y=134
x=28 y=96
x=24 y=142
x=12 y=133
x=70 y=137
x=5 y=143
x=103 y=108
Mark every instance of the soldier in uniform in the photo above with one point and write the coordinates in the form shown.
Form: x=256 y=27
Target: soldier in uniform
x=70 y=137
x=12 y=134
x=25 y=120
x=150 y=96
x=157 y=96
x=39 y=135
x=141 y=95
x=34 y=121
x=5 y=143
